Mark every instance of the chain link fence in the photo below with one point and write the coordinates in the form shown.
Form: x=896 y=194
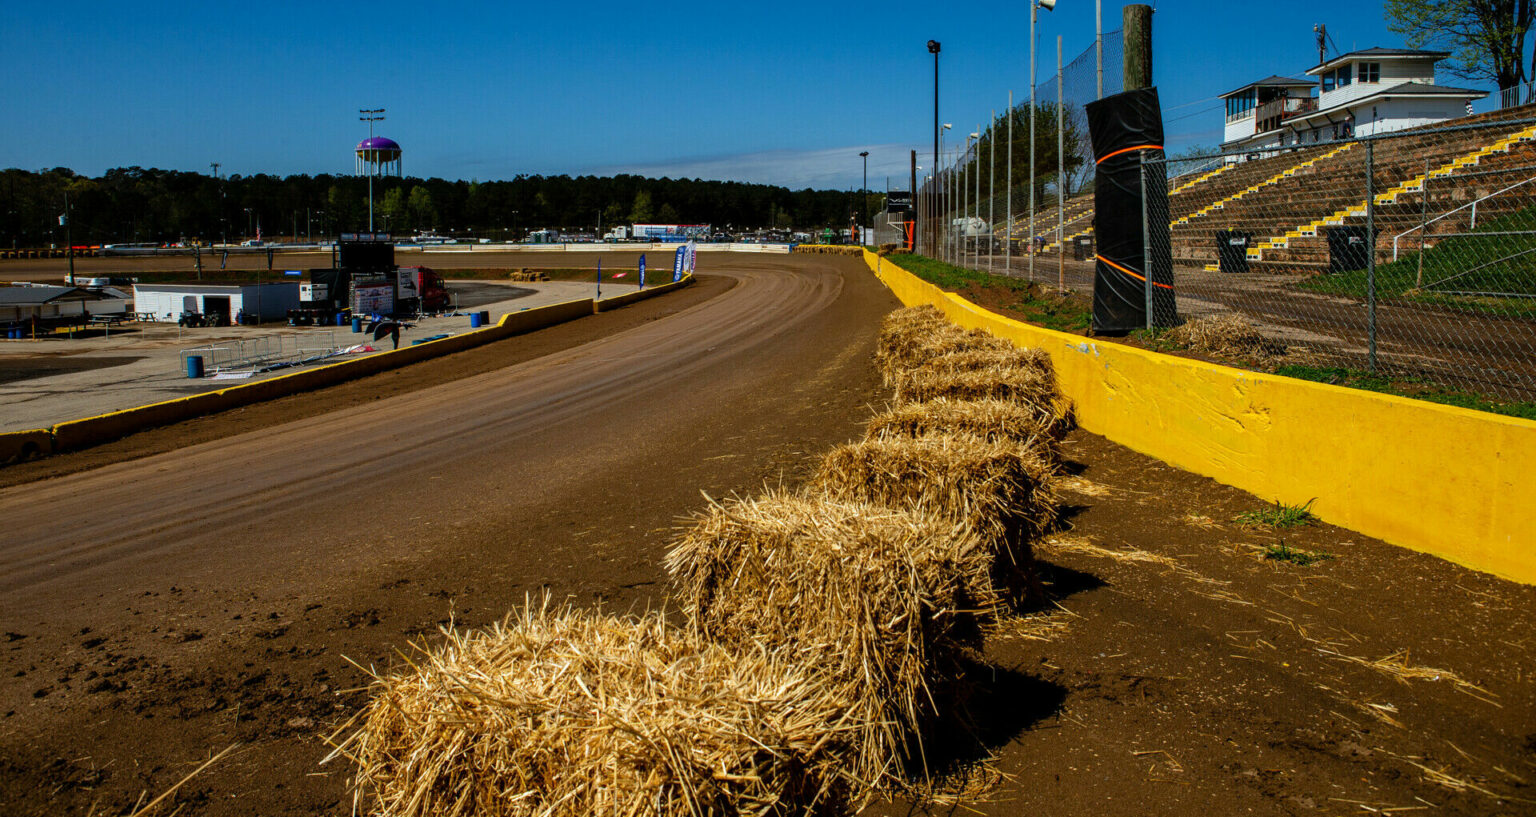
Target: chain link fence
x=1408 y=255
x=1411 y=254
x=983 y=208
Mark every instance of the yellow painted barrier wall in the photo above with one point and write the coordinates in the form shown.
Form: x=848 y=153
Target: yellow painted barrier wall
x=1451 y=482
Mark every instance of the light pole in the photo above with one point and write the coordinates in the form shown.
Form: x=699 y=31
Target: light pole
x=372 y=115
x=1034 y=11
x=933 y=48
x=250 y=221
x=864 y=197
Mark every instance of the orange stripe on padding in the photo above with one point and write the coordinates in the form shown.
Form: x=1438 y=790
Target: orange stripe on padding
x=1129 y=272
x=1105 y=158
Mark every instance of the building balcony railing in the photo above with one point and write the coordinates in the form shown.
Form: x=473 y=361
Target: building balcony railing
x=1287 y=107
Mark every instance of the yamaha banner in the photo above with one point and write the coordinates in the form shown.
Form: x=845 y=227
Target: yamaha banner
x=642 y=271
x=1133 y=268
x=678 y=261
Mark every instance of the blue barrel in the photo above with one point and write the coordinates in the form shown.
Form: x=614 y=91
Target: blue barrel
x=341 y=319
x=357 y=324
x=474 y=320
x=194 y=366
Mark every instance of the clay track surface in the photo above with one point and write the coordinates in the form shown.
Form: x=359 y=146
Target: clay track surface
x=161 y=608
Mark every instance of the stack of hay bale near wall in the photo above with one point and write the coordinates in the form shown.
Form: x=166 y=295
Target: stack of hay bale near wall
x=824 y=628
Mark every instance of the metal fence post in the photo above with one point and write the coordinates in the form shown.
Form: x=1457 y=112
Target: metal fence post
x=1418 y=279
x=1146 y=242
x=1370 y=247
x=1008 y=234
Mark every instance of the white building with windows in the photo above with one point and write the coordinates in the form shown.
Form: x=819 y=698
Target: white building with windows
x=1361 y=93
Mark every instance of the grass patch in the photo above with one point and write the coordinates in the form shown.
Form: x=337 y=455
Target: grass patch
x=1408 y=387
x=1483 y=262
x=1281 y=552
x=1280 y=515
x=1018 y=298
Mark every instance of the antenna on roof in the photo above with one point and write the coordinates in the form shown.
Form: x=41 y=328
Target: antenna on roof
x=1322 y=42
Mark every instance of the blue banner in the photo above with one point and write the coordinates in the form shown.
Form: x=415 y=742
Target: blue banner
x=677 y=264
x=642 y=270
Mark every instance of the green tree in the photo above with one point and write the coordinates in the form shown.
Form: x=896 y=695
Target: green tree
x=641 y=213
x=390 y=210
x=667 y=214
x=1486 y=37
x=423 y=213
x=614 y=214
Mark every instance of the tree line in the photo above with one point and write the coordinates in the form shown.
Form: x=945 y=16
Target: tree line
x=165 y=206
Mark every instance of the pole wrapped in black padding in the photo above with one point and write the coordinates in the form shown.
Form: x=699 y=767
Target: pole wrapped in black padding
x=1127 y=133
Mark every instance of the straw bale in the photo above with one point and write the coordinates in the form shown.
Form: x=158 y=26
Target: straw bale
x=911 y=337
x=573 y=713
x=1027 y=424
x=881 y=600
x=1026 y=385
x=1227 y=334
x=1001 y=490
x=991 y=356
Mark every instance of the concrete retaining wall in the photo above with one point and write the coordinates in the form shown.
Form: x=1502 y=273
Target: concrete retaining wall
x=76 y=434
x=1451 y=482
x=24 y=445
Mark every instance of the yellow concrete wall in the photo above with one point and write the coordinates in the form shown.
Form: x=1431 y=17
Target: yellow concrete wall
x=1452 y=482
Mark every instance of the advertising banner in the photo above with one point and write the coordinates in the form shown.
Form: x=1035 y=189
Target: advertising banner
x=642 y=270
x=678 y=261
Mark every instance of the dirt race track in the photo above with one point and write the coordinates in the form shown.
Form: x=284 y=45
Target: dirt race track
x=196 y=587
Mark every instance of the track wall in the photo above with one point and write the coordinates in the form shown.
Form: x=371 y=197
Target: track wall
x=1442 y=480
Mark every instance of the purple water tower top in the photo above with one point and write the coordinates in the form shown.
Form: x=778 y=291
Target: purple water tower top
x=379 y=144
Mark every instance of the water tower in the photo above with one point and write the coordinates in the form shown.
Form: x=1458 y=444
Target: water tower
x=376 y=156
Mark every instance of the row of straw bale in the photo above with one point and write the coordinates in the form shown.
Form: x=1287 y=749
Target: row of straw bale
x=828 y=249
x=824 y=630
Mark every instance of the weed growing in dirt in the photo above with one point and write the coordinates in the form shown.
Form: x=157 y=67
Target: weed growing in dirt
x=1407 y=387
x=1280 y=515
x=1281 y=552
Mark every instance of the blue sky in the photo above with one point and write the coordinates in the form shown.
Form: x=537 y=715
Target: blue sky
x=783 y=93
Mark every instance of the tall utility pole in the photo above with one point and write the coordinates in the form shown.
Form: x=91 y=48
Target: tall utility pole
x=933 y=48
x=1137 y=20
x=370 y=115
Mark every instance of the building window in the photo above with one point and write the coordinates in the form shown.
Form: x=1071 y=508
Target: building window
x=1340 y=77
x=1370 y=72
x=1240 y=105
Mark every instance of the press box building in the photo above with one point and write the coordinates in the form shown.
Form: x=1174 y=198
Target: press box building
x=1362 y=93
